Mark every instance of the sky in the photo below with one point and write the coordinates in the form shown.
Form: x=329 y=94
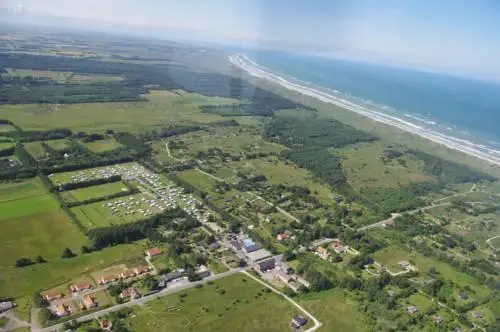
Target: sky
x=452 y=35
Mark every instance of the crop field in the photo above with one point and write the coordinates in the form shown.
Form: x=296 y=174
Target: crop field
x=103 y=145
x=111 y=212
x=89 y=173
x=235 y=303
x=58 y=144
x=198 y=179
x=36 y=150
x=365 y=167
x=62 y=77
x=16 y=282
x=45 y=231
x=91 y=192
x=160 y=109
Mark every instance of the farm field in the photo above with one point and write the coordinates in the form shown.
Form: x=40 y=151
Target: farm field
x=58 y=144
x=21 y=189
x=91 y=192
x=100 y=214
x=364 y=166
x=161 y=108
x=16 y=282
x=103 y=145
x=6 y=145
x=36 y=150
x=229 y=304
x=199 y=180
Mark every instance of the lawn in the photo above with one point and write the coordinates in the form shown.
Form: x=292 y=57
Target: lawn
x=390 y=257
x=335 y=310
x=6 y=145
x=93 y=192
x=160 y=109
x=495 y=243
x=364 y=166
x=103 y=145
x=5 y=128
x=420 y=301
x=235 y=303
x=17 y=282
x=3 y=321
x=36 y=150
x=198 y=179
x=23 y=308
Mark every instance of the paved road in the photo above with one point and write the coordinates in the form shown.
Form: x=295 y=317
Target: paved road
x=142 y=300
x=317 y=323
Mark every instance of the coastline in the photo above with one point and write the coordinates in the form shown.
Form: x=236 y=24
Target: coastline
x=477 y=150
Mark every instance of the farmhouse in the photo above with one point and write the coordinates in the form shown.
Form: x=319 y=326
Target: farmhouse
x=153 y=252
x=338 y=247
x=282 y=236
x=52 y=296
x=437 y=319
x=76 y=288
x=203 y=271
x=106 y=325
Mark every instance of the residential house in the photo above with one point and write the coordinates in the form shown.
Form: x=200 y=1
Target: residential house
x=476 y=314
x=266 y=265
x=338 y=247
x=106 y=325
x=6 y=305
x=63 y=310
x=153 y=252
x=142 y=269
x=52 y=296
x=80 y=287
x=129 y=273
x=203 y=271
x=322 y=252
x=165 y=278
x=108 y=279
x=411 y=310
x=282 y=237
x=129 y=293
x=437 y=319
x=298 y=321
x=464 y=296
x=89 y=302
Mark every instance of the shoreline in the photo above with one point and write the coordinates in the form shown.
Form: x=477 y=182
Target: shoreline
x=476 y=150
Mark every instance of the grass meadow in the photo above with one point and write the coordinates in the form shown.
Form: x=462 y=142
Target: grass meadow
x=234 y=303
x=103 y=145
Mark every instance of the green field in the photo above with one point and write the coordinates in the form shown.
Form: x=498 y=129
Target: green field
x=6 y=145
x=199 y=180
x=36 y=150
x=21 y=189
x=103 y=145
x=242 y=307
x=161 y=109
x=26 y=206
x=390 y=256
x=4 y=128
x=58 y=144
x=495 y=243
x=364 y=166
x=335 y=310
x=17 y=282
x=91 y=192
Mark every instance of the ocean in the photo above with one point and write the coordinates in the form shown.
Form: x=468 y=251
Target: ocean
x=466 y=109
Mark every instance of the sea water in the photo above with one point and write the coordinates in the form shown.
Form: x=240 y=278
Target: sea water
x=464 y=108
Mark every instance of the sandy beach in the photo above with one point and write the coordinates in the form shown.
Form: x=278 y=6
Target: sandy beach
x=477 y=150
